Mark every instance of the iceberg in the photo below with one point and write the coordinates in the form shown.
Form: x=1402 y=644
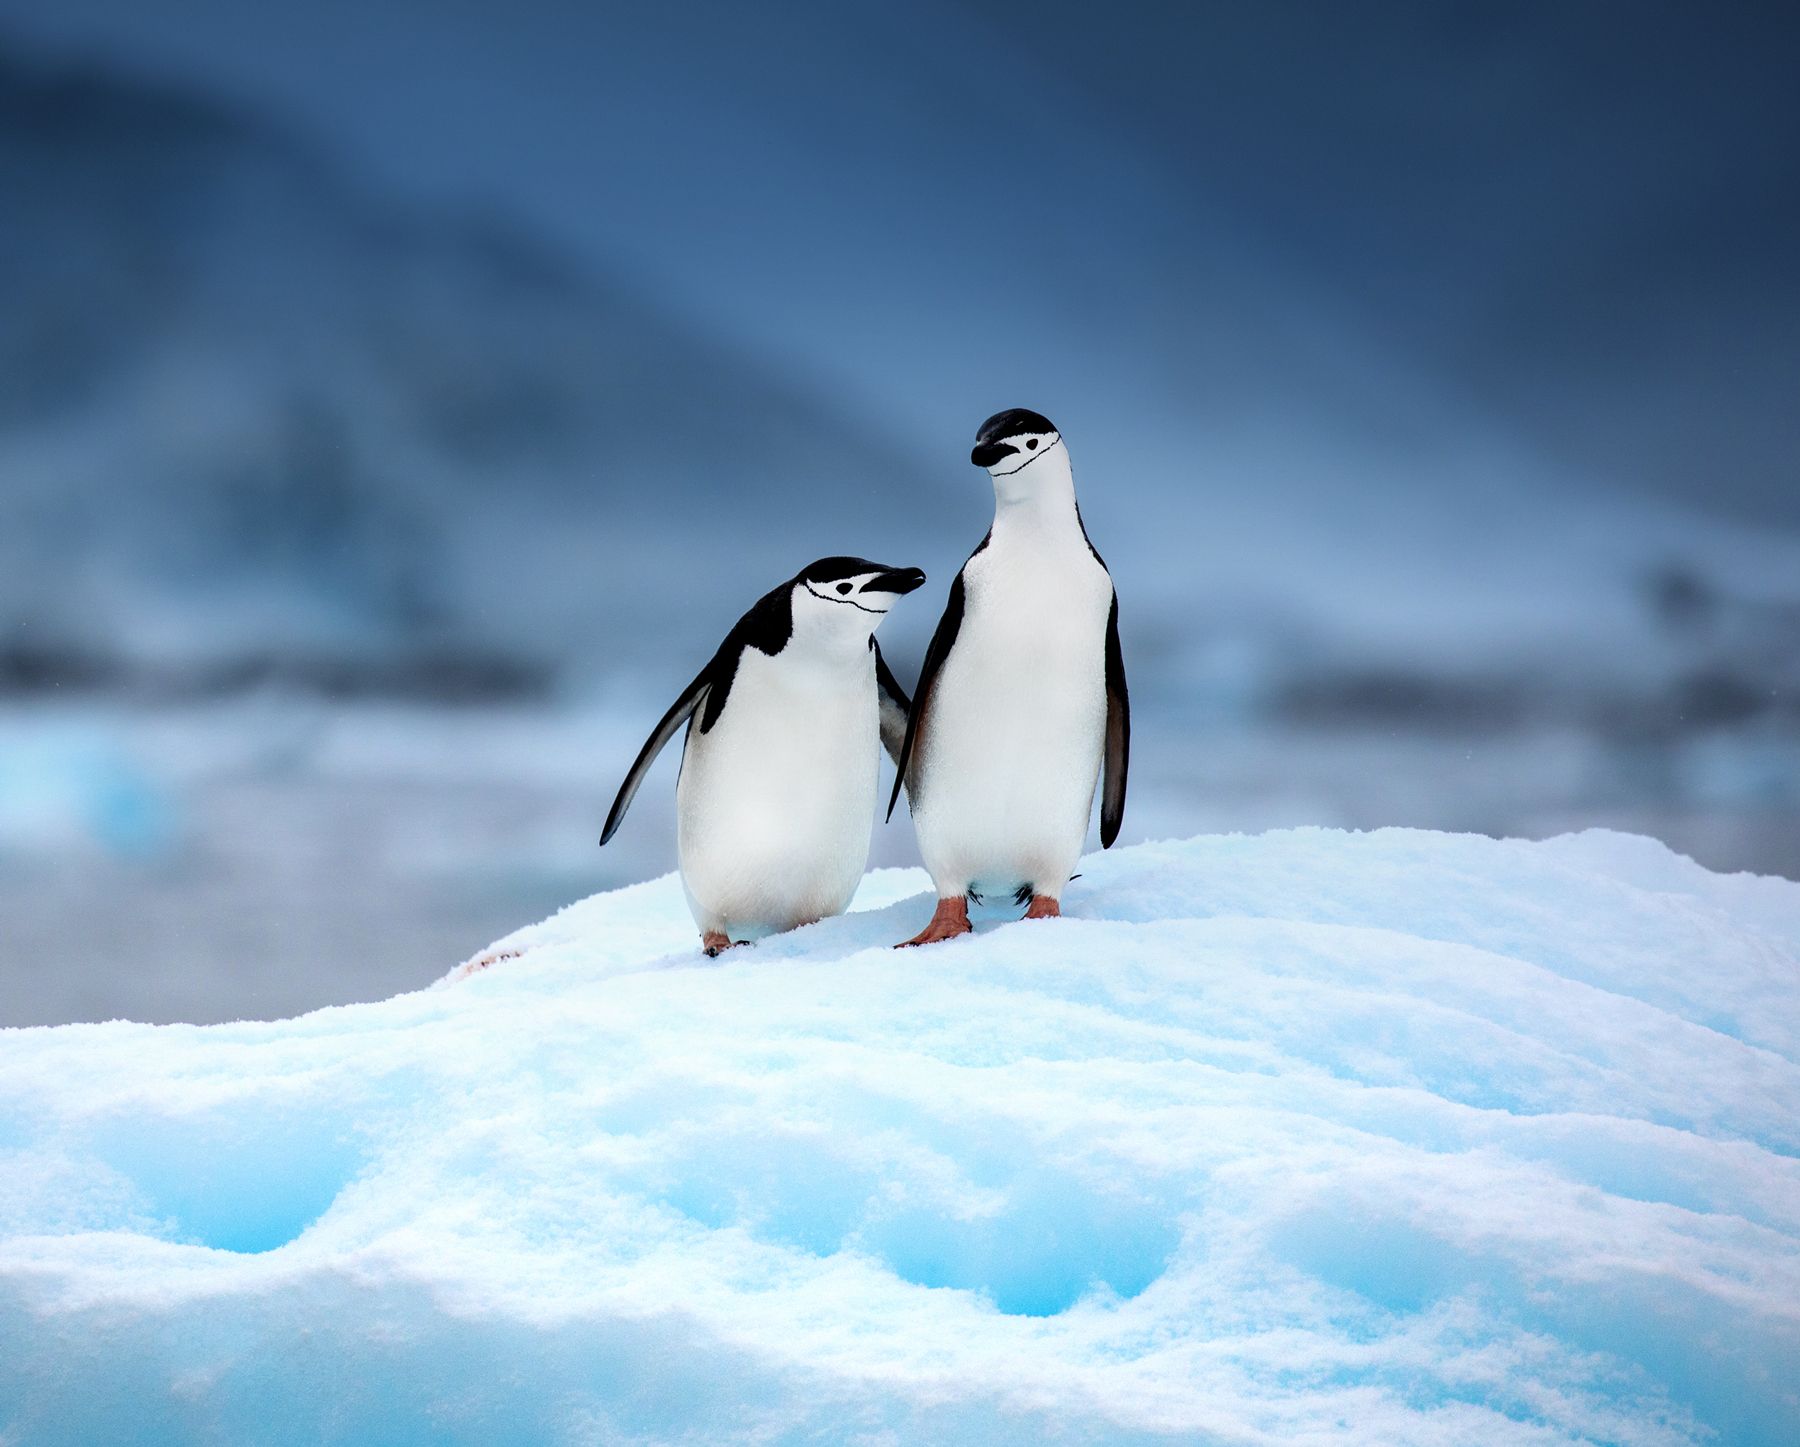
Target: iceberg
x=1306 y=1137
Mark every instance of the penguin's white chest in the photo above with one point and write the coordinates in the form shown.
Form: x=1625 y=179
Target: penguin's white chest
x=776 y=801
x=1010 y=748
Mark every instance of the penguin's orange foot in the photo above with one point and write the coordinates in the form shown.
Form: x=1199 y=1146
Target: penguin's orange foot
x=951 y=920
x=715 y=944
x=1043 y=907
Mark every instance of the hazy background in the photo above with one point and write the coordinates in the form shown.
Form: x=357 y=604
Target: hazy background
x=398 y=402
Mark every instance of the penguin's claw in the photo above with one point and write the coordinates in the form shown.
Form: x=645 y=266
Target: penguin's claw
x=713 y=944
x=1043 y=907
x=950 y=920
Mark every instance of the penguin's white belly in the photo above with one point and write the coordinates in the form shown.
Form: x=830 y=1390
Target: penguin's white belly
x=775 y=803
x=1011 y=745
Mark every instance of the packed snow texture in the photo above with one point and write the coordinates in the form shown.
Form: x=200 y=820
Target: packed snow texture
x=1308 y=1137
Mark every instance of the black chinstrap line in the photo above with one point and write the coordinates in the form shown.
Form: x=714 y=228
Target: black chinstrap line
x=1033 y=457
x=827 y=598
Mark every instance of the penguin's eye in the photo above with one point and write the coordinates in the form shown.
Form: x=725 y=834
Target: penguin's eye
x=1031 y=446
x=843 y=587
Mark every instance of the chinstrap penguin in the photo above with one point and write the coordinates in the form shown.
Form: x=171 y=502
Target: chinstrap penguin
x=777 y=793
x=1022 y=694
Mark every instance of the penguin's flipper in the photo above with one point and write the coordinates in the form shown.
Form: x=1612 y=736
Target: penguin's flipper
x=895 y=705
x=935 y=653
x=1118 y=733
x=679 y=713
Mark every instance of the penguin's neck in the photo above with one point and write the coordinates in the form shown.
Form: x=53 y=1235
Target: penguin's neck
x=831 y=638
x=1038 y=499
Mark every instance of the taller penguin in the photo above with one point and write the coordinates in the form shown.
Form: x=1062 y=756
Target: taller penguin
x=1022 y=694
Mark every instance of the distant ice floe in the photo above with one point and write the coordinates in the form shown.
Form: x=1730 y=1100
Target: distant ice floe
x=77 y=790
x=1314 y=1137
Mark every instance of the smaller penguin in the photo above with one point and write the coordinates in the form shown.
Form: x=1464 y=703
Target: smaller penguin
x=777 y=793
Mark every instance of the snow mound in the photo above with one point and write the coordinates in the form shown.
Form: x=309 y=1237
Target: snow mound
x=1309 y=1137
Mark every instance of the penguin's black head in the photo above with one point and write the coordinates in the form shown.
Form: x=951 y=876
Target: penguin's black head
x=844 y=590
x=1013 y=439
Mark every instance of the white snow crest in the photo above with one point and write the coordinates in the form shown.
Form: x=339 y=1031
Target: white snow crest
x=1304 y=1138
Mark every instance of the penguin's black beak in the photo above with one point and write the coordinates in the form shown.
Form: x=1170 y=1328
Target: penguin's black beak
x=986 y=454
x=895 y=580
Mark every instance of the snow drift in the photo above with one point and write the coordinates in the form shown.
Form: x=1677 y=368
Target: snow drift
x=1310 y=1137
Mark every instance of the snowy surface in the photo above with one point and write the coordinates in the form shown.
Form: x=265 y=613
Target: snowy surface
x=1307 y=1137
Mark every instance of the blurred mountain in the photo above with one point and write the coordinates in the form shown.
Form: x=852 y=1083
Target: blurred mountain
x=265 y=418
x=255 y=421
